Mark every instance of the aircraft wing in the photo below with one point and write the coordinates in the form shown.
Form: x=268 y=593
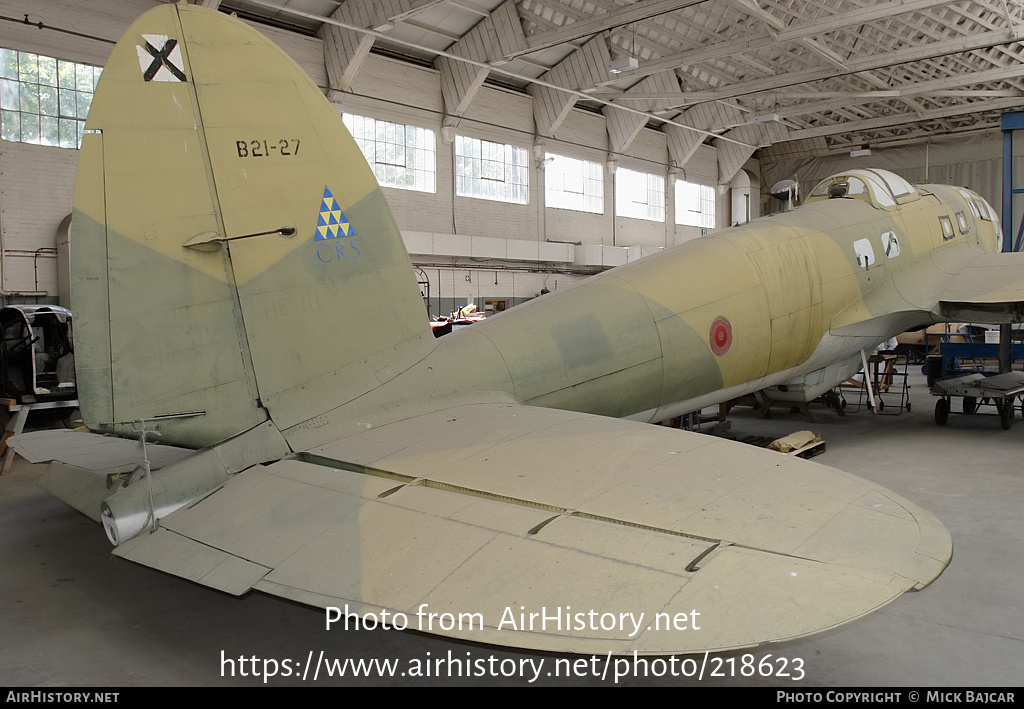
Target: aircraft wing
x=483 y=514
x=988 y=289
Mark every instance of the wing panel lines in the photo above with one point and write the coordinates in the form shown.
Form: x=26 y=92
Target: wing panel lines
x=561 y=512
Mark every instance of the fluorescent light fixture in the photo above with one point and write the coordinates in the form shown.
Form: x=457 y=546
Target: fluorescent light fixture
x=860 y=153
x=767 y=118
x=623 y=64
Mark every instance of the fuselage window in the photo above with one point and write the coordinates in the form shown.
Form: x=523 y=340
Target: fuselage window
x=961 y=221
x=865 y=254
x=947 y=228
x=890 y=244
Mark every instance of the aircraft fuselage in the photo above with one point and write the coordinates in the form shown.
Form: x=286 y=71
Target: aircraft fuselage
x=745 y=308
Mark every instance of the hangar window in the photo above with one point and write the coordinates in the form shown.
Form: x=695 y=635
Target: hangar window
x=639 y=195
x=44 y=100
x=573 y=184
x=695 y=205
x=487 y=170
x=400 y=156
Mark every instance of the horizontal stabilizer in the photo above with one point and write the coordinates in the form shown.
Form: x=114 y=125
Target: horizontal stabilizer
x=495 y=510
x=85 y=468
x=92 y=451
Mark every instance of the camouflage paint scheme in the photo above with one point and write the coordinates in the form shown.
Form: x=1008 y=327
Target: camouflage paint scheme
x=239 y=283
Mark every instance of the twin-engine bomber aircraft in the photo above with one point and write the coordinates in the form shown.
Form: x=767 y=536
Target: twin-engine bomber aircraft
x=240 y=287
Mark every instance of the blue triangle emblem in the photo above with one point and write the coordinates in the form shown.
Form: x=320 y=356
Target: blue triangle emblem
x=331 y=217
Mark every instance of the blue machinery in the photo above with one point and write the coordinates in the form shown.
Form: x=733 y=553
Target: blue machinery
x=1011 y=121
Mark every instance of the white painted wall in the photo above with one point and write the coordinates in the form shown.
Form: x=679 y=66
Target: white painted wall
x=36 y=188
x=745 y=197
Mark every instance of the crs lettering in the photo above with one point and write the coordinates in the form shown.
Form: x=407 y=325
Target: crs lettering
x=335 y=250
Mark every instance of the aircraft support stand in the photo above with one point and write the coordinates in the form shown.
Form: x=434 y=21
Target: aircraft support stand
x=867 y=383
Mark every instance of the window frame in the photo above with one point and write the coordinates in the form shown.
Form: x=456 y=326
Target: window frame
x=628 y=186
x=416 y=150
x=488 y=170
x=588 y=198
x=53 y=99
x=705 y=196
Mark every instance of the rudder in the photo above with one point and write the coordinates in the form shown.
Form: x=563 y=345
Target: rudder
x=231 y=249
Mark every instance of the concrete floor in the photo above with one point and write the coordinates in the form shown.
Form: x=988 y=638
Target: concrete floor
x=72 y=614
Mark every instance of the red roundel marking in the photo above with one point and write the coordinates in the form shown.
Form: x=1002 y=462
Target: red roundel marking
x=721 y=336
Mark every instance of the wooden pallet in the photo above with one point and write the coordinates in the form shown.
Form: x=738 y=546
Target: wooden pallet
x=808 y=451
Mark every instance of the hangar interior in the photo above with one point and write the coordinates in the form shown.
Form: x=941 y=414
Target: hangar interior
x=727 y=100
x=524 y=146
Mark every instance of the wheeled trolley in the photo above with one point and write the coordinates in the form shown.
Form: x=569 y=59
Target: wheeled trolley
x=977 y=390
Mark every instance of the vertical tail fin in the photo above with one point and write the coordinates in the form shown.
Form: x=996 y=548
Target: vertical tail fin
x=231 y=252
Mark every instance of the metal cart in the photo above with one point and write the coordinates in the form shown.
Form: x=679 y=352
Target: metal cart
x=978 y=390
